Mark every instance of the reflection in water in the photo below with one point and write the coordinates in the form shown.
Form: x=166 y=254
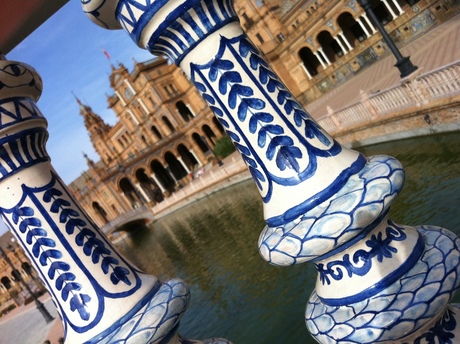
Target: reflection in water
x=212 y=245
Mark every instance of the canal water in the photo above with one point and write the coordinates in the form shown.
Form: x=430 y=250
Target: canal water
x=212 y=245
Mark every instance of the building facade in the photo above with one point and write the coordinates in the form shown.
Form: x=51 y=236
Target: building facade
x=165 y=131
x=13 y=263
x=164 y=134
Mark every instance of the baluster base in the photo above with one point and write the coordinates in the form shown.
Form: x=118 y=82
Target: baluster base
x=407 y=306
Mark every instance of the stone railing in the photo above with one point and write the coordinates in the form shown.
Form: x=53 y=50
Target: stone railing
x=416 y=93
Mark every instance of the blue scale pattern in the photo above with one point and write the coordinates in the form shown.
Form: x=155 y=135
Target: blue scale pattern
x=156 y=321
x=366 y=196
x=403 y=307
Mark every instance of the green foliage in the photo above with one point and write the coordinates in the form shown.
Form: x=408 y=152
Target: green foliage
x=224 y=147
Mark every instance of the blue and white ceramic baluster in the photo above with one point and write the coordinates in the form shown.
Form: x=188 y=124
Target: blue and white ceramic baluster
x=377 y=281
x=100 y=296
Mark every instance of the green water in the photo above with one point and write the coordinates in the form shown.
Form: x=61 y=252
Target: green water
x=212 y=245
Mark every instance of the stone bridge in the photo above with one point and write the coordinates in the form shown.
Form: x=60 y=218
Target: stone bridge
x=141 y=214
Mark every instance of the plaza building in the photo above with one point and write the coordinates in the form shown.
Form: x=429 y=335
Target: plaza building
x=165 y=134
x=14 y=266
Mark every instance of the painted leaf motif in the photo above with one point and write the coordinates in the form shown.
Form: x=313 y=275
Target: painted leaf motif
x=287 y=158
x=274 y=84
x=275 y=142
x=35 y=232
x=249 y=161
x=69 y=287
x=63 y=278
x=312 y=130
x=85 y=232
x=67 y=214
x=218 y=112
x=98 y=251
x=58 y=204
x=24 y=211
x=90 y=244
x=120 y=274
x=271 y=128
x=78 y=302
x=217 y=66
x=49 y=254
x=228 y=78
x=42 y=242
x=72 y=223
x=282 y=96
x=264 y=117
x=257 y=176
x=234 y=136
x=249 y=103
x=50 y=194
x=57 y=266
x=236 y=91
x=244 y=150
x=31 y=221
x=106 y=262
x=200 y=86
x=209 y=99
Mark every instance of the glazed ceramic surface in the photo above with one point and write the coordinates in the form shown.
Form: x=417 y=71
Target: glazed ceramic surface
x=377 y=281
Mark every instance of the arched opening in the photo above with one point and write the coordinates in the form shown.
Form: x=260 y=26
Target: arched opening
x=187 y=157
x=168 y=124
x=309 y=60
x=100 y=212
x=149 y=186
x=16 y=275
x=330 y=46
x=199 y=141
x=351 y=29
x=156 y=132
x=380 y=10
x=218 y=125
x=209 y=134
x=184 y=111
x=162 y=175
x=175 y=166
x=130 y=192
x=27 y=268
x=6 y=282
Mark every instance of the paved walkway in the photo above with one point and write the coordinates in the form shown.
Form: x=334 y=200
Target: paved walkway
x=436 y=48
x=26 y=325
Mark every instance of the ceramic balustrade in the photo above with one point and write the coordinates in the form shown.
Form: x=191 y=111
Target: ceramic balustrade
x=378 y=281
x=100 y=296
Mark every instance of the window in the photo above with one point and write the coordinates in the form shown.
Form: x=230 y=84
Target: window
x=128 y=93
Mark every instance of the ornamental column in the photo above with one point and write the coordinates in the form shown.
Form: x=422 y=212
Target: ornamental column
x=319 y=57
x=100 y=296
x=378 y=281
x=337 y=39
x=341 y=34
x=388 y=7
x=360 y=22
x=162 y=189
x=374 y=30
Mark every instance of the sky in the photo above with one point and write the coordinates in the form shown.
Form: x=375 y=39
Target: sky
x=68 y=53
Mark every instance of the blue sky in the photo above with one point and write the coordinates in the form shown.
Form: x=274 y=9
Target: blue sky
x=67 y=51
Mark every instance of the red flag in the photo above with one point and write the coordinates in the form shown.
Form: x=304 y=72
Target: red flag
x=106 y=54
